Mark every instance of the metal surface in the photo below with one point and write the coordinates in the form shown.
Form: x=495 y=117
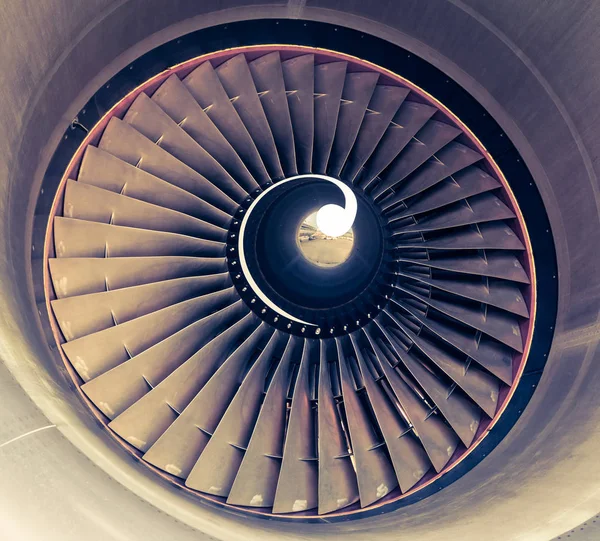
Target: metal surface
x=557 y=143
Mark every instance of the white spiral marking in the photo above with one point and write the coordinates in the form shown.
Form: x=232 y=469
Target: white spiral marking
x=345 y=217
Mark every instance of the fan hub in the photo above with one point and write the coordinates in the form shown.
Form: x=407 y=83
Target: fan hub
x=286 y=281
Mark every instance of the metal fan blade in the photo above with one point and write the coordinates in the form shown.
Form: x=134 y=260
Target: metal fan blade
x=429 y=140
x=409 y=119
x=256 y=481
x=494 y=323
x=329 y=84
x=101 y=169
x=475 y=210
x=299 y=78
x=175 y=99
x=437 y=438
x=178 y=449
x=482 y=387
x=96 y=353
x=374 y=471
x=206 y=88
x=268 y=78
x=337 y=479
x=498 y=293
x=503 y=265
x=462 y=415
x=384 y=104
x=216 y=468
x=298 y=477
x=451 y=158
x=118 y=389
x=80 y=276
x=152 y=122
x=466 y=183
x=408 y=456
x=237 y=81
x=78 y=238
x=356 y=95
x=147 y=419
x=485 y=236
x=126 y=143
x=87 y=314
x=86 y=202
x=492 y=355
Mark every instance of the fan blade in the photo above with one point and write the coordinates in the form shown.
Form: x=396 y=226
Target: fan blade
x=152 y=122
x=356 y=95
x=384 y=104
x=329 y=83
x=498 y=293
x=268 y=78
x=299 y=78
x=206 y=88
x=175 y=99
x=492 y=355
x=236 y=79
x=218 y=465
x=101 y=169
x=466 y=183
x=503 y=265
x=78 y=238
x=409 y=119
x=482 y=387
x=440 y=165
x=337 y=480
x=374 y=472
x=487 y=236
x=429 y=140
x=298 y=478
x=476 y=210
x=123 y=141
x=408 y=456
x=256 y=480
x=118 y=389
x=462 y=415
x=87 y=314
x=86 y=202
x=437 y=438
x=80 y=276
x=494 y=323
x=96 y=353
x=148 y=418
x=178 y=449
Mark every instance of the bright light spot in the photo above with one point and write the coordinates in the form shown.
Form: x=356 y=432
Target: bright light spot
x=333 y=220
